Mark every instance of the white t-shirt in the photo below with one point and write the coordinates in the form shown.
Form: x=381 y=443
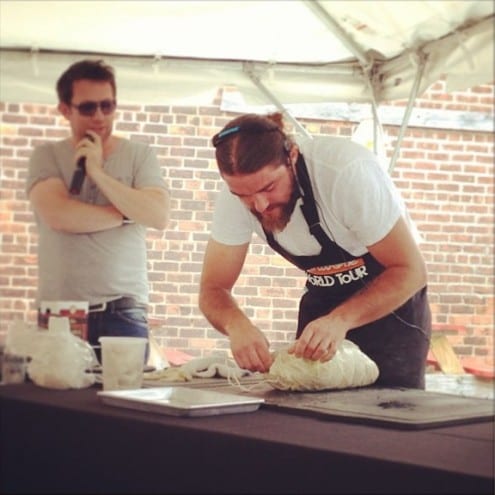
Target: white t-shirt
x=356 y=199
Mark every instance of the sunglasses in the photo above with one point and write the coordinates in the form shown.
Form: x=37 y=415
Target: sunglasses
x=88 y=108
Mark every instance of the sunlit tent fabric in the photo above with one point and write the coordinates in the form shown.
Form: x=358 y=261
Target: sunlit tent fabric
x=181 y=52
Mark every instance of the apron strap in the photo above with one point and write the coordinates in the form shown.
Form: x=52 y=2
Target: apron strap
x=308 y=207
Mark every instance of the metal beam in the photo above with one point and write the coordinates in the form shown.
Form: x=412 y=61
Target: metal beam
x=335 y=28
x=422 y=59
x=367 y=63
x=256 y=80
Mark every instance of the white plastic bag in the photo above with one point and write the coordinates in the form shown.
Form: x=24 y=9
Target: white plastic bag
x=59 y=359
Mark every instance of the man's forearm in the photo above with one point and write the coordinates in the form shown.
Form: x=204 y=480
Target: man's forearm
x=148 y=206
x=76 y=217
x=387 y=292
x=222 y=311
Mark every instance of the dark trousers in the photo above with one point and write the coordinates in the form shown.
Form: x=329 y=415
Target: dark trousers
x=132 y=322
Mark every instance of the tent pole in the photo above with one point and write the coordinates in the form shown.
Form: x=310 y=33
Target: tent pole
x=376 y=118
x=367 y=63
x=274 y=100
x=412 y=98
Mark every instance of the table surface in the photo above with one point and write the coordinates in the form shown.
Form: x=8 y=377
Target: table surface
x=270 y=449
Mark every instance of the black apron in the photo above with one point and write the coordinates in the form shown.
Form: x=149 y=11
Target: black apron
x=398 y=342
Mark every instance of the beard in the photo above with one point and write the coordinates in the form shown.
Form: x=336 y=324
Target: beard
x=277 y=216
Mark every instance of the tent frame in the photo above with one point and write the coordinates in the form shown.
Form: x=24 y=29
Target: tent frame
x=368 y=68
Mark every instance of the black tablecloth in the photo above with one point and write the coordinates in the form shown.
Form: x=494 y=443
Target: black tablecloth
x=69 y=442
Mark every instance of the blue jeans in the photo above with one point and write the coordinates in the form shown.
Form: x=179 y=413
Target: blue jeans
x=131 y=322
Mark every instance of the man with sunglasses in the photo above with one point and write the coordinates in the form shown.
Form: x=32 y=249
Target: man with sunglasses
x=327 y=206
x=93 y=195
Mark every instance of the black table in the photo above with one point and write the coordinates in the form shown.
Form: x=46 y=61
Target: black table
x=69 y=442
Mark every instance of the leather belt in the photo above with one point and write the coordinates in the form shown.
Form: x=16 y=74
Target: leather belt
x=116 y=304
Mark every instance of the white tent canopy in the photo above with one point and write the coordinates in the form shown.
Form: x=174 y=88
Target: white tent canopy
x=283 y=51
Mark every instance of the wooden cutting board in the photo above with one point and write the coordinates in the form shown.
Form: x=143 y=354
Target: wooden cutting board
x=445 y=355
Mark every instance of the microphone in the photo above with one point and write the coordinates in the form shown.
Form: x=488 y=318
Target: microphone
x=80 y=172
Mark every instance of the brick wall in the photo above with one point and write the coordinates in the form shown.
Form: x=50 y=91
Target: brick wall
x=445 y=176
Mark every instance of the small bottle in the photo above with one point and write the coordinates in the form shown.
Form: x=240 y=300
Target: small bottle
x=13 y=367
x=14 y=364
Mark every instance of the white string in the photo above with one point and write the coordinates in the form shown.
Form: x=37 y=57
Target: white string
x=234 y=381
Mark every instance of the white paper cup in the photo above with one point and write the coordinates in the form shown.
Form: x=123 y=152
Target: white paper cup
x=122 y=362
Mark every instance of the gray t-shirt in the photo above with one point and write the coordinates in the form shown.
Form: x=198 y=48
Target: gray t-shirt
x=99 y=266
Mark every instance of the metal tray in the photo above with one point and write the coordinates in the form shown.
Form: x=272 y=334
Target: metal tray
x=180 y=401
